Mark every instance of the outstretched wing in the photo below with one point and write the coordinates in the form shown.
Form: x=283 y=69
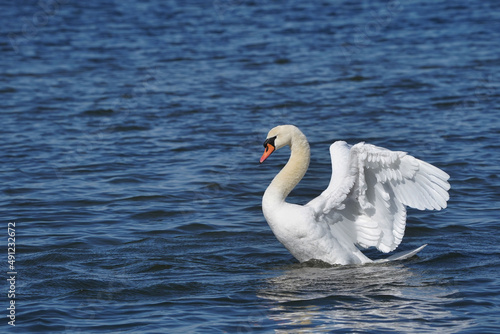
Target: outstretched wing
x=369 y=189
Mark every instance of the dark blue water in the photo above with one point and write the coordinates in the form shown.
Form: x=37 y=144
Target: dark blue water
x=131 y=133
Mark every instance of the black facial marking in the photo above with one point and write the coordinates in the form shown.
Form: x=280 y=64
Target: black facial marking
x=270 y=141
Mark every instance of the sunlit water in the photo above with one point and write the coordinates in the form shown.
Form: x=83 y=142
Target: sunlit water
x=131 y=134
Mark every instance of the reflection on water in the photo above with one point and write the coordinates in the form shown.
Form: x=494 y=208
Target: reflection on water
x=383 y=297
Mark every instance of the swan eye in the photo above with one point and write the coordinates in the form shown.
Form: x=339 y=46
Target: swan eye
x=269 y=141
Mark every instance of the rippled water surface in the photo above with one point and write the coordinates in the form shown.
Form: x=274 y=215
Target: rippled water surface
x=131 y=133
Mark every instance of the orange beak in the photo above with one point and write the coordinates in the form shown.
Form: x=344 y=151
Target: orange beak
x=269 y=149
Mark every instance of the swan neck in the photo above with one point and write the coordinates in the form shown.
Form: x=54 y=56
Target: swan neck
x=293 y=172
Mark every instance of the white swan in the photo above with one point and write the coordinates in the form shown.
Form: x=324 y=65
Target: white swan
x=363 y=206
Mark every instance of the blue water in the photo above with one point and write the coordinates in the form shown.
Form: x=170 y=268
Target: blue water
x=131 y=133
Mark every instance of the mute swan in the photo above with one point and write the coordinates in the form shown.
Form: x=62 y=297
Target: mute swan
x=363 y=206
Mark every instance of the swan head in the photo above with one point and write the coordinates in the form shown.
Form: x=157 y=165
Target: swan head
x=277 y=138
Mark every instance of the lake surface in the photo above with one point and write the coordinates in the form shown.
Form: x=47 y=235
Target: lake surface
x=131 y=133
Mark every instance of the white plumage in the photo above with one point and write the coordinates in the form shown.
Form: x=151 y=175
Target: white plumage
x=363 y=206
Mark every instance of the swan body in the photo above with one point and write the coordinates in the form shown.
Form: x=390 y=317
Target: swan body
x=363 y=206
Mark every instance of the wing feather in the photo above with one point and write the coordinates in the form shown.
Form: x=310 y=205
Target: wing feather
x=369 y=190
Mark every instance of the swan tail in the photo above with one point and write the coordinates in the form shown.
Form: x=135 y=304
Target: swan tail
x=402 y=255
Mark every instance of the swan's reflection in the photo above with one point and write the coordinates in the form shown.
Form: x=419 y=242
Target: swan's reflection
x=371 y=297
